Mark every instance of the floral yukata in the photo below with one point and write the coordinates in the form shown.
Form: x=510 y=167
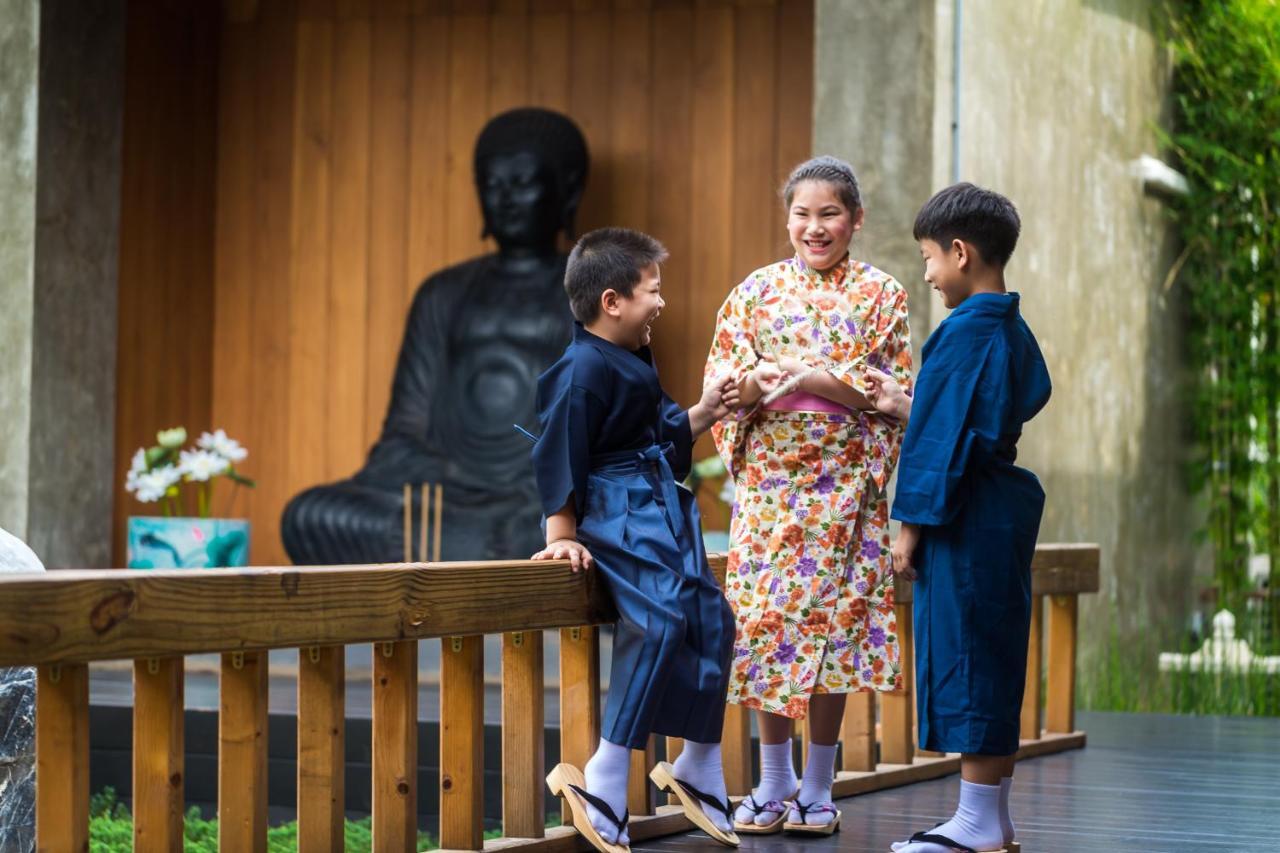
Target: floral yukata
x=810 y=574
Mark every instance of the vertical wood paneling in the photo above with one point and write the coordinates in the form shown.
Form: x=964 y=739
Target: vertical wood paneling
x=164 y=372
x=271 y=265
x=508 y=56
x=309 y=296
x=629 y=118
x=671 y=141
x=468 y=111
x=388 y=207
x=549 y=58
x=349 y=252
x=429 y=135
x=233 y=335
x=336 y=174
x=794 y=111
x=590 y=70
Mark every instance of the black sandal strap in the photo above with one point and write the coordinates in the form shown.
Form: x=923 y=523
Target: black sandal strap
x=750 y=802
x=934 y=838
x=723 y=807
x=604 y=809
x=803 y=808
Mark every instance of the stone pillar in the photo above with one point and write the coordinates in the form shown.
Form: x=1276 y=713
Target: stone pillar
x=874 y=106
x=61 y=98
x=17 y=726
x=19 y=85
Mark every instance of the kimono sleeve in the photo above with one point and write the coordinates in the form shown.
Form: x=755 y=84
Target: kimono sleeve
x=733 y=354
x=885 y=340
x=962 y=402
x=570 y=413
x=676 y=429
x=885 y=344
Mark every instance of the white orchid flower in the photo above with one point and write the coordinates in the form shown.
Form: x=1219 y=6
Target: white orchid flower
x=226 y=447
x=137 y=468
x=152 y=485
x=201 y=465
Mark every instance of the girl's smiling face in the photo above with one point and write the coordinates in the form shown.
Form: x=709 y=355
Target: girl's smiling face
x=819 y=224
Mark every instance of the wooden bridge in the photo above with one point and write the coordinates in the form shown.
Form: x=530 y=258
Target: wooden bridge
x=61 y=621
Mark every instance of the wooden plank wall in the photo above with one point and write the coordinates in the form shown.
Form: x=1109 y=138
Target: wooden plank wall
x=343 y=178
x=165 y=359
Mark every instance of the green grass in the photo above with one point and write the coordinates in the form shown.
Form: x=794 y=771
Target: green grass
x=1125 y=677
x=111 y=830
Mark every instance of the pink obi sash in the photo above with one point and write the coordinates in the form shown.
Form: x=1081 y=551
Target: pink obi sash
x=803 y=401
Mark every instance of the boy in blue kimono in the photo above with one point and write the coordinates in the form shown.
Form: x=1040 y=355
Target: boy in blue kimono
x=612 y=449
x=969 y=515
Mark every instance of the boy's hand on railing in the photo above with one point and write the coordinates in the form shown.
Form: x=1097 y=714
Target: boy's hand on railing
x=567 y=549
x=884 y=392
x=904 y=549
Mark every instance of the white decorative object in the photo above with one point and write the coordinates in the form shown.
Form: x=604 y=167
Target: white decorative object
x=1220 y=653
x=1159 y=177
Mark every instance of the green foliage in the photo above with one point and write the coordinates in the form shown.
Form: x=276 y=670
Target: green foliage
x=1125 y=678
x=1227 y=139
x=111 y=831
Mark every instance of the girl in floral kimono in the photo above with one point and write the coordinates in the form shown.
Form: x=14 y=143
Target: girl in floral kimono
x=810 y=575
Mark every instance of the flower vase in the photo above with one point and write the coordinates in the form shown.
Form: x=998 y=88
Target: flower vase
x=159 y=542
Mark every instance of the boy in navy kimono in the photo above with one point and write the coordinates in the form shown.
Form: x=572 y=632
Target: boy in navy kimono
x=969 y=515
x=612 y=449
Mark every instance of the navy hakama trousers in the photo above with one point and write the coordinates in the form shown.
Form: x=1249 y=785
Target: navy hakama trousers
x=973 y=615
x=674 y=636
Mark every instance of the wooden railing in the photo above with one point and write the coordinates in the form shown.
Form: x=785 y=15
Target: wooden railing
x=61 y=621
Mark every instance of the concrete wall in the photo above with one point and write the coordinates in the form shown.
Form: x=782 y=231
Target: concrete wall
x=1057 y=98
x=874 y=92
x=61 y=69
x=19 y=96
x=72 y=481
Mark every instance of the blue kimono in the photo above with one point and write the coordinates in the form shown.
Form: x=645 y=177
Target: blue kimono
x=615 y=445
x=982 y=378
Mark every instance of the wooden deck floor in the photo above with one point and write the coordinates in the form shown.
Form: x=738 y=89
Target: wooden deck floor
x=1151 y=783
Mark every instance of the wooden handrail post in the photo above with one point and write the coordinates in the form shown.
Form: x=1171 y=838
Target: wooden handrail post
x=639 y=788
x=395 y=746
x=1031 y=717
x=321 y=747
x=1060 y=710
x=579 y=697
x=675 y=746
x=62 y=757
x=523 y=752
x=897 y=708
x=858 y=734
x=736 y=749
x=242 y=753
x=158 y=754
x=462 y=743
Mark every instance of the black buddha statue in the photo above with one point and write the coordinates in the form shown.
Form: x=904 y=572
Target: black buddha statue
x=478 y=336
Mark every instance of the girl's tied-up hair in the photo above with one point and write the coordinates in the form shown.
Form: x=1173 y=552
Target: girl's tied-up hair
x=829 y=170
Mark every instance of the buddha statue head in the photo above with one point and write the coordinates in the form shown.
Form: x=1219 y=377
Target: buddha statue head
x=530 y=171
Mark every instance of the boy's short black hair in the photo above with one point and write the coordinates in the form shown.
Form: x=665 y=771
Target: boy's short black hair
x=975 y=215
x=607 y=259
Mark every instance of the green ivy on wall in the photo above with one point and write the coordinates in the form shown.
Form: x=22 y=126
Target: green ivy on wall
x=1227 y=138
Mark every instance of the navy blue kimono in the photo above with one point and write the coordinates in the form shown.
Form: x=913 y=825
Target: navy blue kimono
x=981 y=379
x=615 y=445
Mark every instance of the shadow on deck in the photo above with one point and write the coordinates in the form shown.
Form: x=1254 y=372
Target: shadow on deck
x=1151 y=783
